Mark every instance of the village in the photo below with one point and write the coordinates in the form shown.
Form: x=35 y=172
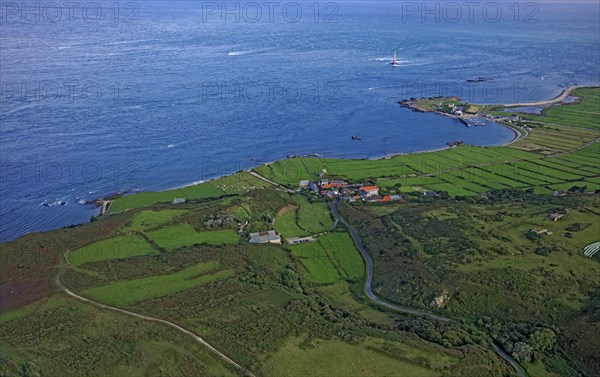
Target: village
x=338 y=189
x=367 y=192
x=330 y=189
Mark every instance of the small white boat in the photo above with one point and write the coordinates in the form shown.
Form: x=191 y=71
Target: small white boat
x=395 y=61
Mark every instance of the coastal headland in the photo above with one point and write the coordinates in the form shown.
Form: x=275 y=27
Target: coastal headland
x=263 y=272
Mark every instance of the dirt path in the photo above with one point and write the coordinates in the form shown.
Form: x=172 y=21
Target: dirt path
x=286 y=209
x=268 y=181
x=62 y=269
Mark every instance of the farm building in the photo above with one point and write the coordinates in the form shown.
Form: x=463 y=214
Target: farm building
x=269 y=236
x=387 y=198
x=555 y=216
x=559 y=194
x=304 y=183
x=333 y=184
x=178 y=200
x=368 y=191
x=539 y=231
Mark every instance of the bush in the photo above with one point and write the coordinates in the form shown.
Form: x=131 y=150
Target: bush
x=522 y=352
x=542 y=250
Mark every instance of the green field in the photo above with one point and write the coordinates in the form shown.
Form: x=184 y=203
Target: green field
x=233 y=184
x=316 y=261
x=584 y=114
x=303 y=218
x=313 y=217
x=396 y=167
x=112 y=248
x=151 y=219
x=126 y=292
x=335 y=358
x=286 y=224
x=239 y=183
x=549 y=139
x=143 y=199
x=177 y=236
x=330 y=258
x=341 y=247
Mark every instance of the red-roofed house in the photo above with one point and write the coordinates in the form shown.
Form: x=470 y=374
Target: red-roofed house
x=368 y=191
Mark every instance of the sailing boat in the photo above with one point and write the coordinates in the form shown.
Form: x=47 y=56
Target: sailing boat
x=394 y=62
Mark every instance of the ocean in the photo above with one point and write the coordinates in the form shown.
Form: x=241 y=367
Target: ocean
x=102 y=97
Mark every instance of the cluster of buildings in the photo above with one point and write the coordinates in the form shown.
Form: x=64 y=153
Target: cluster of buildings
x=331 y=189
x=345 y=191
x=456 y=110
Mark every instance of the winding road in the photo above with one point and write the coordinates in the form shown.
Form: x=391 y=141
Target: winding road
x=369 y=292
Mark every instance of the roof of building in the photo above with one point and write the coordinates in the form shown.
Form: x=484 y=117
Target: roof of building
x=369 y=188
x=538 y=230
x=264 y=236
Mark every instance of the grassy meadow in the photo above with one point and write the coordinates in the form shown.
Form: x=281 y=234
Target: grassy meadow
x=229 y=185
x=177 y=236
x=126 y=292
x=146 y=220
x=127 y=246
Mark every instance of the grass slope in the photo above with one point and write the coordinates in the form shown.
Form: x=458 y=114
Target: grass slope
x=126 y=292
x=65 y=337
x=152 y=219
x=174 y=237
x=112 y=248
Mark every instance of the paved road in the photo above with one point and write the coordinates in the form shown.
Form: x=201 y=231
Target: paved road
x=61 y=270
x=369 y=292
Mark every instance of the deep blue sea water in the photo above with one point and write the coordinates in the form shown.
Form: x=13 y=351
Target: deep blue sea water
x=173 y=95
